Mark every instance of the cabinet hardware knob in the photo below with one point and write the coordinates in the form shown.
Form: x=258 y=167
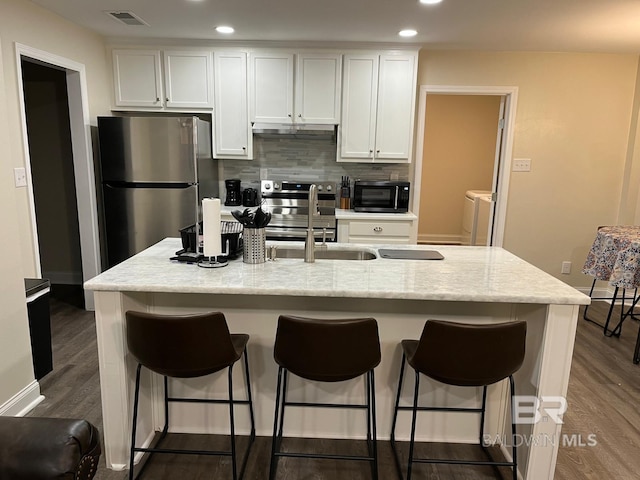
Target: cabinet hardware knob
x=167 y=99
x=157 y=99
x=370 y=151
x=377 y=151
x=377 y=229
x=289 y=115
x=244 y=148
x=299 y=115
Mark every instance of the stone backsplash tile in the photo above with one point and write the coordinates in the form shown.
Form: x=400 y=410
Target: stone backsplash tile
x=303 y=159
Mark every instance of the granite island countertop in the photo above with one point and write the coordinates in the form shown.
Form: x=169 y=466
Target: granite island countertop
x=470 y=274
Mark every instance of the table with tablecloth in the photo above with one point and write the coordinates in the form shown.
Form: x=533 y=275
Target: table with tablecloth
x=615 y=257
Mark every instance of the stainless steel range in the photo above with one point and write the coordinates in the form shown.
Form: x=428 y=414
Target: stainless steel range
x=289 y=206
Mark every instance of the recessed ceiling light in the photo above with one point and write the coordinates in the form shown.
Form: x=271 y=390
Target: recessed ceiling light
x=429 y=2
x=224 y=29
x=407 y=33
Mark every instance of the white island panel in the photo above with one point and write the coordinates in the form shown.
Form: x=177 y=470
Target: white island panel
x=473 y=284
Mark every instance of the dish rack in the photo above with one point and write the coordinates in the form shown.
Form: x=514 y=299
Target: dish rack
x=231 y=233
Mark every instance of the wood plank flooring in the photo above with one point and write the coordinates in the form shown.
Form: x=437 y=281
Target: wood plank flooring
x=604 y=389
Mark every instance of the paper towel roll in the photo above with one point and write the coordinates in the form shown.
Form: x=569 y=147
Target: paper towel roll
x=211 y=237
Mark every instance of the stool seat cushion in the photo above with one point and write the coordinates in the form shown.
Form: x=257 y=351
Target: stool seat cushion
x=34 y=448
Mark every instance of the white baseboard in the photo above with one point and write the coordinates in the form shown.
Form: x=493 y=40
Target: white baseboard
x=605 y=294
x=22 y=402
x=440 y=239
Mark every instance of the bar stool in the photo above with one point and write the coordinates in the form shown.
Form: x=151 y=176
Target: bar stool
x=326 y=351
x=464 y=355
x=187 y=346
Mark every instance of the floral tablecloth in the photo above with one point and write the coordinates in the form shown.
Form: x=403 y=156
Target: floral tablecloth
x=615 y=256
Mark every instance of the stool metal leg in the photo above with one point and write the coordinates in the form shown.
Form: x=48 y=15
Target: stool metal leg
x=234 y=467
x=371 y=414
x=276 y=417
x=413 y=424
x=135 y=421
x=482 y=415
x=395 y=418
x=513 y=431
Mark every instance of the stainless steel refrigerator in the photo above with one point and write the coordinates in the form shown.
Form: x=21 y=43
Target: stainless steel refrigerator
x=154 y=173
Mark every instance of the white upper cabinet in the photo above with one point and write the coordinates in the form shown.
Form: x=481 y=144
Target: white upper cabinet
x=377 y=108
x=317 y=89
x=271 y=90
x=232 y=137
x=311 y=96
x=138 y=79
x=188 y=79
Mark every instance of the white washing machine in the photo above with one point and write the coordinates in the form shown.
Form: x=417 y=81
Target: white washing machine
x=475 y=217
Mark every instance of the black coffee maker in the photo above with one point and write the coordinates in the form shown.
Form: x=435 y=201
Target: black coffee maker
x=234 y=197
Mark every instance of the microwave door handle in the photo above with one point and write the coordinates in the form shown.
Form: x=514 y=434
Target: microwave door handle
x=395 y=205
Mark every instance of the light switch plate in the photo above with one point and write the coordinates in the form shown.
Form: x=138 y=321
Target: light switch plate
x=20 y=177
x=521 y=165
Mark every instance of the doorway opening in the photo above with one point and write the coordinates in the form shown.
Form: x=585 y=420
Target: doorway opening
x=463 y=158
x=58 y=155
x=52 y=176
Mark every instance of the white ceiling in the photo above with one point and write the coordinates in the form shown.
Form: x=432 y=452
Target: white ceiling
x=540 y=25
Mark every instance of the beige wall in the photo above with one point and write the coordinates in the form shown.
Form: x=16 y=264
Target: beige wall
x=573 y=122
x=23 y=22
x=458 y=155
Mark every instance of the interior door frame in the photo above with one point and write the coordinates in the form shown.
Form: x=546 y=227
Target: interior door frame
x=82 y=159
x=501 y=173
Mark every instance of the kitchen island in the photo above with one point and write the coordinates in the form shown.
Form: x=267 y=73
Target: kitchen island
x=471 y=284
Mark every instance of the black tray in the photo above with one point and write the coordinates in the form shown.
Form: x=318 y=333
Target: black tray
x=410 y=254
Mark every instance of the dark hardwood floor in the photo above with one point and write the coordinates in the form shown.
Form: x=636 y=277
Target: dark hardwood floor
x=603 y=390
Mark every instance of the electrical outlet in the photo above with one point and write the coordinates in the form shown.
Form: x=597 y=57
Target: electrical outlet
x=566 y=268
x=393 y=176
x=20 y=177
x=263 y=174
x=521 y=165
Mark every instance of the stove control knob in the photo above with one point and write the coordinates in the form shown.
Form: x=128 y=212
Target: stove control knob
x=267 y=186
x=276 y=186
x=319 y=188
x=329 y=188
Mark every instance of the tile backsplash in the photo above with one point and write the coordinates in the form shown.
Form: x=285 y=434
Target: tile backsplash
x=304 y=159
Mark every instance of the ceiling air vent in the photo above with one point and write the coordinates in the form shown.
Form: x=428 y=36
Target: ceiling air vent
x=128 y=18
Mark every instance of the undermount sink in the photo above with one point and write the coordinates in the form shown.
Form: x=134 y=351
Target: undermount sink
x=326 y=254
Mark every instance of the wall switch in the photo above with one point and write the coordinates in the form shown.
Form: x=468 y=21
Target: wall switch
x=20 y=177
x=566 y=268
x=521 y=165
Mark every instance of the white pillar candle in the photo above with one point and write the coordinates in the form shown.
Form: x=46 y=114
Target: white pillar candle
x=211 y=237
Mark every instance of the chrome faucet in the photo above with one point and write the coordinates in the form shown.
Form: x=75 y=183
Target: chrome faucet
x=310 y=241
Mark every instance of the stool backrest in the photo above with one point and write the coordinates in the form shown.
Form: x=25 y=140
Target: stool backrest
x=470 y=354
x=180 y=345
x=327 y=350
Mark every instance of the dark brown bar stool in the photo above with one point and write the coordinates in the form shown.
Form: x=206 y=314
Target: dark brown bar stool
x=187 y=346
x=470 y=355
x=326 y=351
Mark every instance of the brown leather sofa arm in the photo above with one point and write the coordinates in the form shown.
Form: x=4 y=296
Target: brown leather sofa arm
x=34 y=448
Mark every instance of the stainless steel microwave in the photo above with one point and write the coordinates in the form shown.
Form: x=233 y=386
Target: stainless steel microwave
x=381 y=196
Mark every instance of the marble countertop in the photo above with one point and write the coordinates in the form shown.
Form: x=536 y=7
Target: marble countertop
x=470 y=274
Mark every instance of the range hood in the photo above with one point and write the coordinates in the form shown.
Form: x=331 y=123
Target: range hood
x=300 y=130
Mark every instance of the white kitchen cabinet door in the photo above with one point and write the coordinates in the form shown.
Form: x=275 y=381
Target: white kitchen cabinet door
x=188 y=79
x=137 y=79
x=359 y=106
x=396 y=99
x=271 y=87
x=232 y=137
x=317 y=88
